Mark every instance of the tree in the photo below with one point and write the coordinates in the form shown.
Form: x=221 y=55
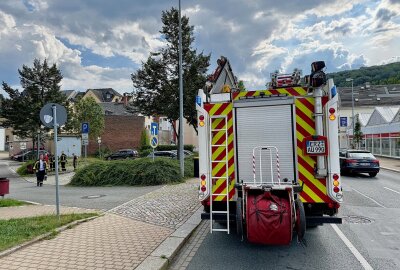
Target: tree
x=156 y=83
x=357 y=134
x=144 y=140
x=241 y=86
x=87 y=110
x=41 y=84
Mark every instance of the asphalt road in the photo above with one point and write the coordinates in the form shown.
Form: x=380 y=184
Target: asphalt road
x=371 y=213
x=103 y=198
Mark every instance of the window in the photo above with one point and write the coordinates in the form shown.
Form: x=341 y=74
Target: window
x=360 y=155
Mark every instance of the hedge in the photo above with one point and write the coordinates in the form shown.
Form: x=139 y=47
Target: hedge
x=23 y=169
x=167 y=147
x=142 y=171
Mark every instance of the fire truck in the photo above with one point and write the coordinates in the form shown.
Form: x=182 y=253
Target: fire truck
x=269 y=159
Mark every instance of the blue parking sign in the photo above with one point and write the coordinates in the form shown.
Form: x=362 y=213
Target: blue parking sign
x=85 y=127
x=343 y=121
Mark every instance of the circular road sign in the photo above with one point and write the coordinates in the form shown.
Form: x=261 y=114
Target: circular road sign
x=154 y=141
x=46 y=115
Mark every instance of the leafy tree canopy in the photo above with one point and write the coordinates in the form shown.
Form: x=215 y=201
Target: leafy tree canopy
x=376 y=75
x=87 y=110
x=156 y=83
x=41 y=84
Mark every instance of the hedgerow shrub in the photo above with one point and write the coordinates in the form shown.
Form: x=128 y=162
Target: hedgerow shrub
x=141 y=171
x=23 y=169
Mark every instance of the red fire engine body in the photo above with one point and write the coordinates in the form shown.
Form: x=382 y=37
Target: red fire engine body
x=269 y=160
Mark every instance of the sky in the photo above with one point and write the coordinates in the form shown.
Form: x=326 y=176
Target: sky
x=99 y=43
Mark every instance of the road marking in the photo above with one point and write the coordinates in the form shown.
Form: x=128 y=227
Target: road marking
x=392 y=190
x=352 y=248
x=381 y=205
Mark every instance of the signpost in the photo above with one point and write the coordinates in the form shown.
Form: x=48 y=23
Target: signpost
x=343 y=121
x=85 y=136
x=54 y=115
x=22 y=146
x=154 y=136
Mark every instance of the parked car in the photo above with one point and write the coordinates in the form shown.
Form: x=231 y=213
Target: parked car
x=28 y=155
x=165 y=154
x=123 y=154
x=359 y=161
x=186 y=152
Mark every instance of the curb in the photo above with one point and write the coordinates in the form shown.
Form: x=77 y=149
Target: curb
x=390 y=169
x=43 y=236
x=162 y=256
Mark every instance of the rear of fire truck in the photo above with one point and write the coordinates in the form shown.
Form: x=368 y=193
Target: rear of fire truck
x=273 y=152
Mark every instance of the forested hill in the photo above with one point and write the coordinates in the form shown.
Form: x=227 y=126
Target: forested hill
x=376 y=75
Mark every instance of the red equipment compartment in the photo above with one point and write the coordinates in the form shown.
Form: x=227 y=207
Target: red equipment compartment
x=269 y=218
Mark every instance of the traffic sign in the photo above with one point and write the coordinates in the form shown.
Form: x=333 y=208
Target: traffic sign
x=343 y=121
x=22 y=145
x=154 y=141
x=47 y=117
x=85 y=136
x=85 y=127
x=85 y=142
x=154 y=129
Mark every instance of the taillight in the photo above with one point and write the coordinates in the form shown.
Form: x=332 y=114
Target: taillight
x=375 y=161
x=203 y=183
x=336 y=189
x=351 y=161
x=335 y=176
x=201 y=120
x=332 y=115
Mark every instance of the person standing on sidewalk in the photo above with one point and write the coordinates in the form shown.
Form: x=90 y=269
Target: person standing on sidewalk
x=74 y=161
x=63 y=161
x=40 y=168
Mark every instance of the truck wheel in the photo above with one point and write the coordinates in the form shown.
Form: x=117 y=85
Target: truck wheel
x=373 y=174
x=239 y=218
x=301 y=220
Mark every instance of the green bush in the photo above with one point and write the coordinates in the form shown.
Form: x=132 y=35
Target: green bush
x=145 y=152
x=141 y=171
x=23 y=169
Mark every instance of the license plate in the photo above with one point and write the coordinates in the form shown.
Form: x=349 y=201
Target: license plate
x=364 y=164
x=315 y=147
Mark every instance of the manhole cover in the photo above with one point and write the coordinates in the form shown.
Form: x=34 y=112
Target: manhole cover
x=357 y=219
x=93 y=196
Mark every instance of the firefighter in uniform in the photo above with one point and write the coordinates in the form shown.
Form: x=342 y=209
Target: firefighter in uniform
x=52 y=161
x=63 y=161
x=40 y=167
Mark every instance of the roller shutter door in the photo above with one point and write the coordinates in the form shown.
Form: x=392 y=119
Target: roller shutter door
x=264 y=126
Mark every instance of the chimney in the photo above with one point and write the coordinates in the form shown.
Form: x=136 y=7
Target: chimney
x=125 y=99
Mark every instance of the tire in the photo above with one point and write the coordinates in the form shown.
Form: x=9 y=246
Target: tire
x=239 y=218
x=372 y=174
x=300 y=223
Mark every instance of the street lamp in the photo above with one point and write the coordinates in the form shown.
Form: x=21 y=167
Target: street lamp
x=352 y=104
x=181 y=155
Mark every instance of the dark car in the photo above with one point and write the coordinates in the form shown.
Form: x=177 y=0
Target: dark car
x=358 y=161
x=165 y=154
x=123 y=154
x=29 y=155
x=187 y=153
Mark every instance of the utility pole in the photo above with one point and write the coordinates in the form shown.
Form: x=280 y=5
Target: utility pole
x=181 y=155
x=352 y=104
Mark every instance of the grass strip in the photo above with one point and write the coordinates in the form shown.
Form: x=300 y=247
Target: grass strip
x=11 y=202
x=18 y=231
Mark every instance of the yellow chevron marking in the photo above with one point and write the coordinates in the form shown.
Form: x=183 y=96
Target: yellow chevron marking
x=214 y=109
x=310 y=193
x=304 y=125
x=311 y=178
x=304 y=109
x=220 y=165
x=307 y=159
x=300 y=90
x=216 y=122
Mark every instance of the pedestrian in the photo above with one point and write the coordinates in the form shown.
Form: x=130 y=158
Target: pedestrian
x=75 y=161
x=40 y=168
x=63 y=161
x=46 y=158
x=52 y=162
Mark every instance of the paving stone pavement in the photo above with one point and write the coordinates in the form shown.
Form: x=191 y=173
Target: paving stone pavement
x=38 y=210
x=121 y=239
x=108 y=242
x=169 y=206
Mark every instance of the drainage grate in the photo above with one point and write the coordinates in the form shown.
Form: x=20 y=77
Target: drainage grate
x=357 y=219
x=93 y=196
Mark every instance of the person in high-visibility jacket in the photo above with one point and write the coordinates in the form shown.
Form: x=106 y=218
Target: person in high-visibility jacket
x=40 y=168
x=63 y=161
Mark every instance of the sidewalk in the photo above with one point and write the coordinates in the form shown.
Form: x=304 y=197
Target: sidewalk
x=391 y=164
x=144 y=231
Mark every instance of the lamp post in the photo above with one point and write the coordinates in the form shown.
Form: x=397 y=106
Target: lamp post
x=352 y=104
x=181 y=155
